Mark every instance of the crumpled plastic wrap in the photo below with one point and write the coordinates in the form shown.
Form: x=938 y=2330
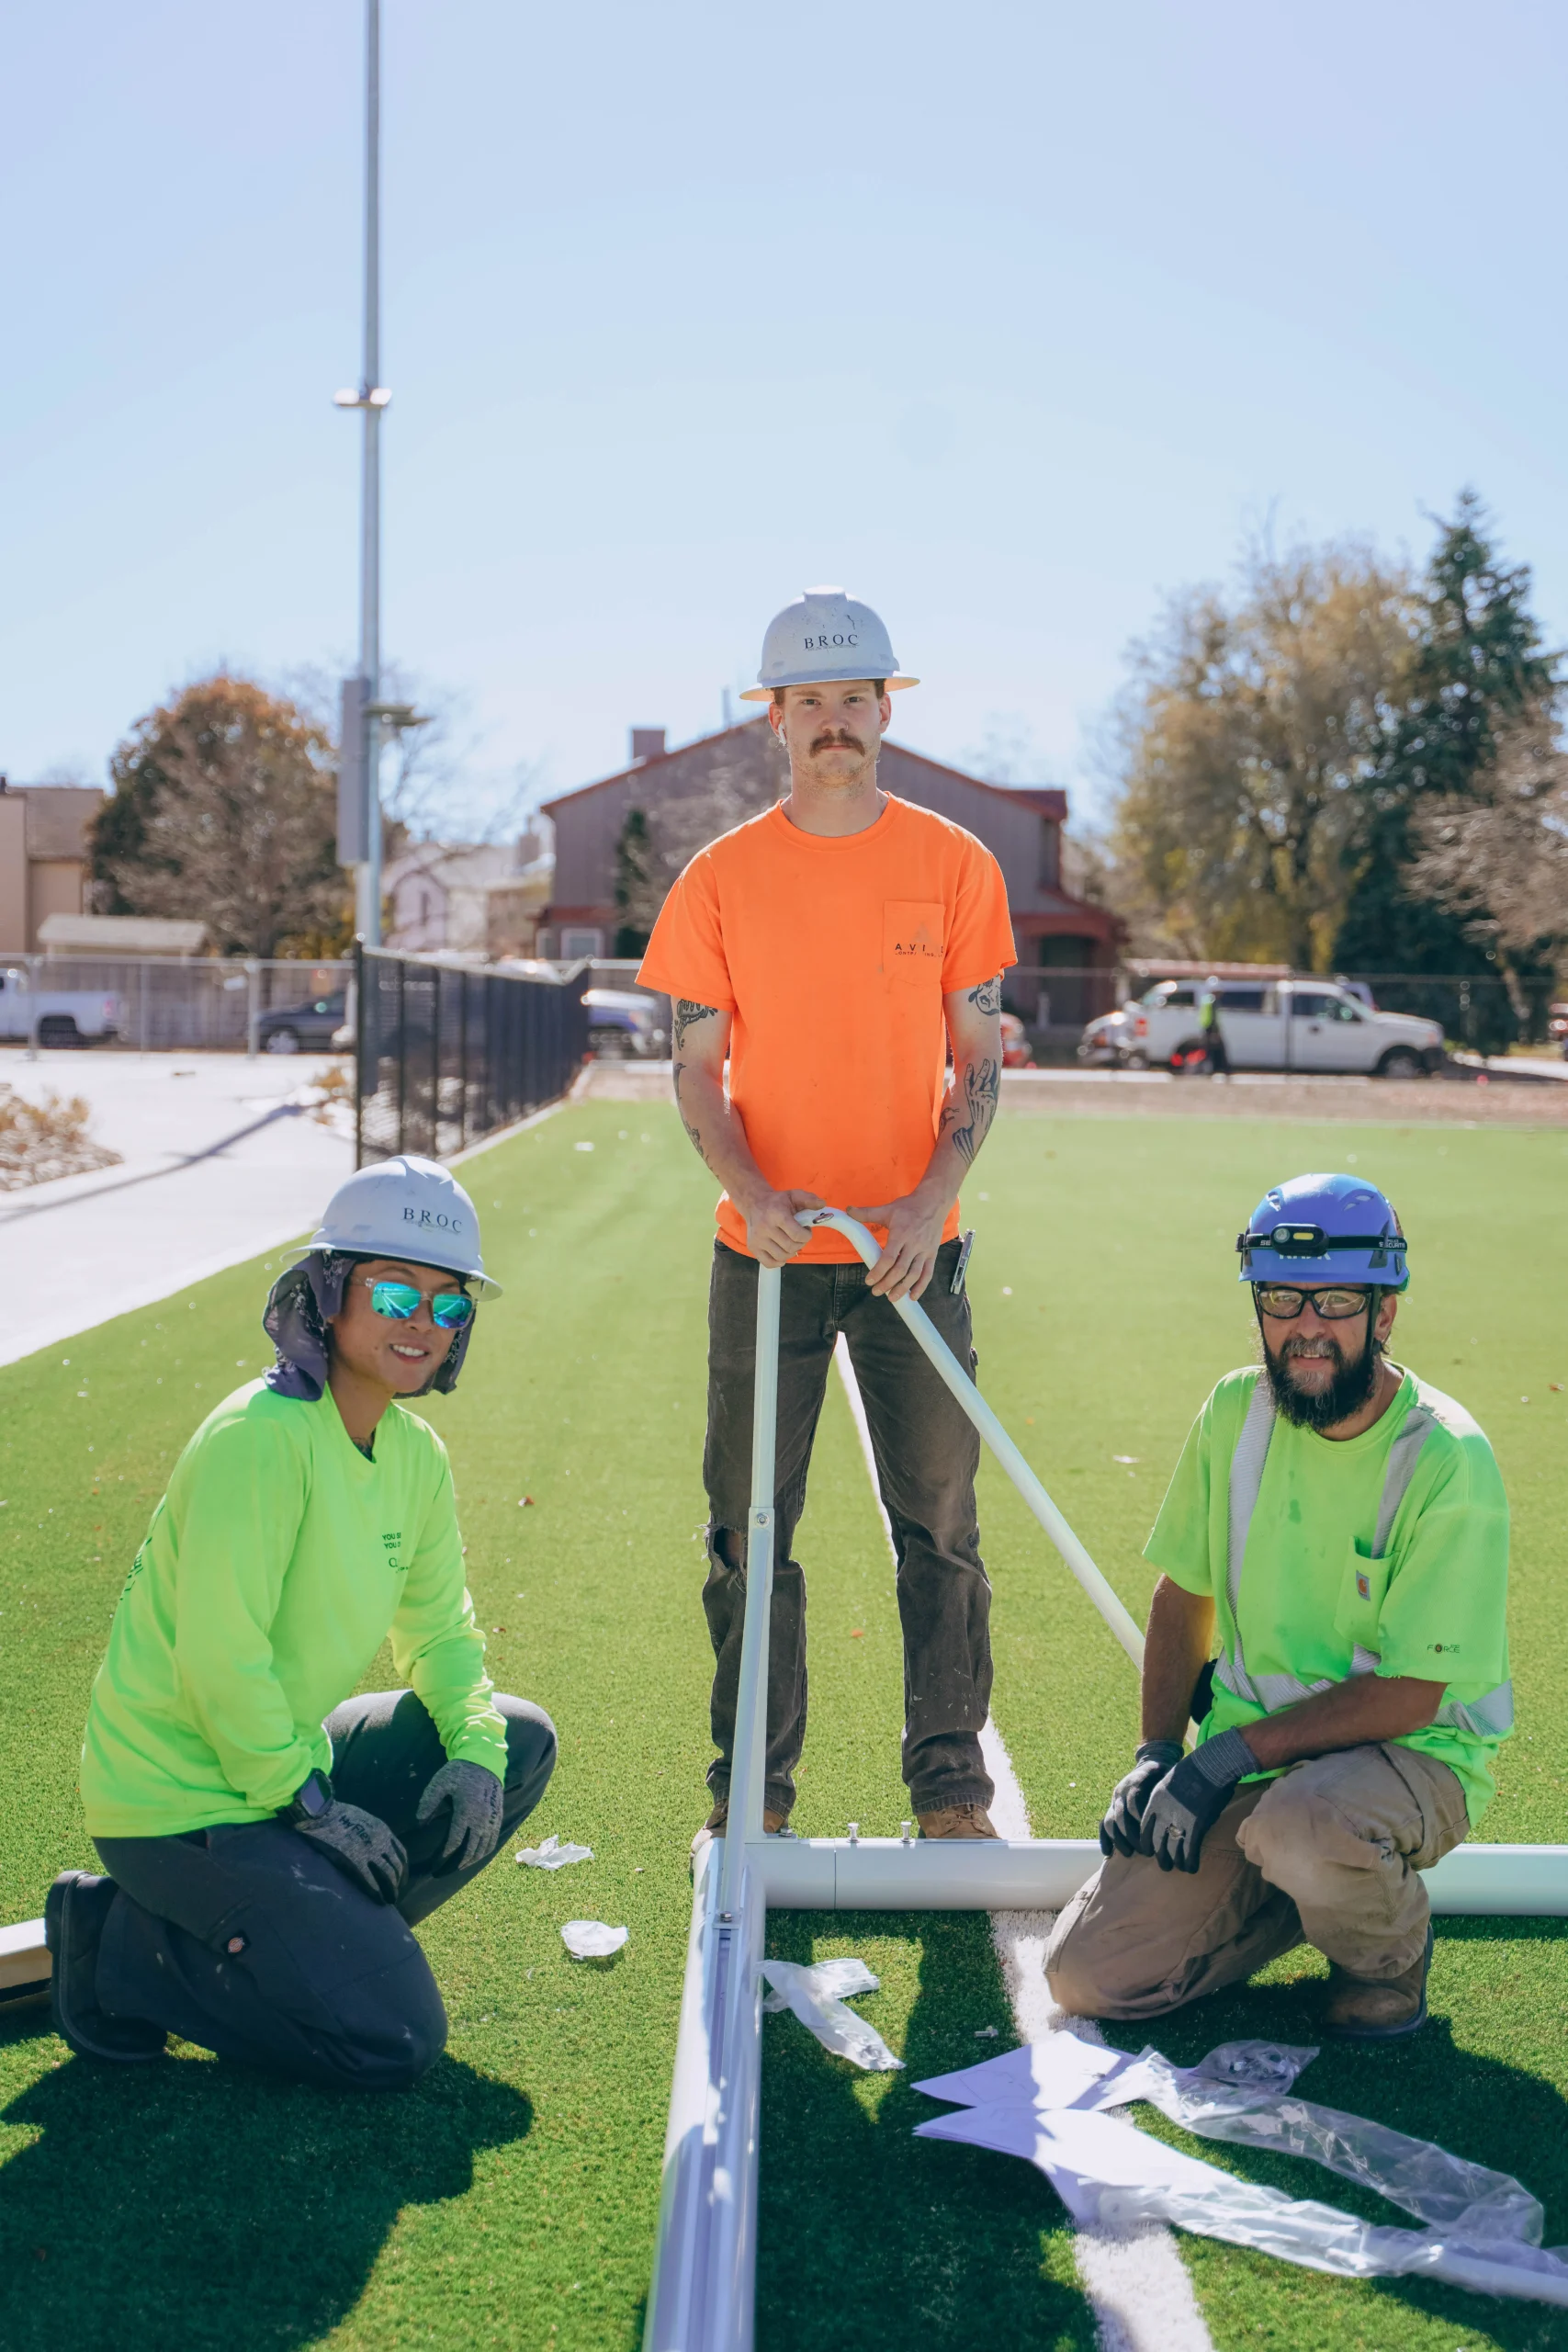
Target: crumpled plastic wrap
x=591 y=1939
x=1048 y=2103
x=552 y=1855
x=817 y=1996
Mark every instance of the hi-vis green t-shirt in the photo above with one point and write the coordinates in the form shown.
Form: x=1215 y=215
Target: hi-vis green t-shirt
x=274 y=1568
x=1311 y=1594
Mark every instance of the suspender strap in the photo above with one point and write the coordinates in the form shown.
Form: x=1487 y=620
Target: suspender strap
x=1246 y=1484
x=1491 y=1716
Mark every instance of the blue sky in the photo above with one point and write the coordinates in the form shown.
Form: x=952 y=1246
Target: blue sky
x=1010 y=317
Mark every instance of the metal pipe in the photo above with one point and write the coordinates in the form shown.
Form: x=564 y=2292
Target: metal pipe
x=748 y=1763
x=1043 y=1873
x=701 y=2297
x=1029 y=1485
x=358 y=1016
x=369 y=922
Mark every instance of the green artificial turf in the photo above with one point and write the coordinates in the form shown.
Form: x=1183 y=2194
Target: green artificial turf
x=511 y=2198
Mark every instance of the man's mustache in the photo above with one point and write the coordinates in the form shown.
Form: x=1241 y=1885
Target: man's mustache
x=838 y=738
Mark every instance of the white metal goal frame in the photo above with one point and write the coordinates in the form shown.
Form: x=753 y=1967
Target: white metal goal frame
x=702 y=2297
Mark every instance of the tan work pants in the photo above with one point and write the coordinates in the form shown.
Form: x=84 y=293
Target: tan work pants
x=1328 y=1854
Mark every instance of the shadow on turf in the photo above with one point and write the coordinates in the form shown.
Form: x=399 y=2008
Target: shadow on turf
x=870 y=2236
x=1493 y=2113
x=188 y=2206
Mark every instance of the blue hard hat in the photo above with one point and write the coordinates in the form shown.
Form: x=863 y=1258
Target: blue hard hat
x=1324 y=1229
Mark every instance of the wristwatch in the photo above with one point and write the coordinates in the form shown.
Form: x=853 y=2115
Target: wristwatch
x=309 y=1800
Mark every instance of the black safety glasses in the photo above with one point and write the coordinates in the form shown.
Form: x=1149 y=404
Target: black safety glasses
x=1283 y=1304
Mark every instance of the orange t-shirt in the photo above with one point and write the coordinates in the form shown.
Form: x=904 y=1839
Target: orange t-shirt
x=834 y=955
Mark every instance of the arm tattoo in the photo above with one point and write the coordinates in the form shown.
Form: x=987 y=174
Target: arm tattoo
x=981 y=1085
x=692 y=1132
x=988 y=997
x=687 y=1015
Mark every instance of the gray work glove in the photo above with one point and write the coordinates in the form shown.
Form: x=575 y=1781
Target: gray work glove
x=1190 y=1799
x=475 y=1794
x=362 y=1846
x=1125 y=1815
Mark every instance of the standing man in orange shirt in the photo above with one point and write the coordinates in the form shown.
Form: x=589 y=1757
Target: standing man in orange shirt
x=830 y=949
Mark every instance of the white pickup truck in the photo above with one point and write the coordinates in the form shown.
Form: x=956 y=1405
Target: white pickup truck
x=65 y=1016
x=1280 y=1024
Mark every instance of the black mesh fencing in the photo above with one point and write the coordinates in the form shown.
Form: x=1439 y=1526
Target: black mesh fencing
x=445 y=1056
x=1475 y=1009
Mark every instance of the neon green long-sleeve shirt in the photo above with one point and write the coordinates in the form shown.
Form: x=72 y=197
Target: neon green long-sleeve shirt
x=275 y=1566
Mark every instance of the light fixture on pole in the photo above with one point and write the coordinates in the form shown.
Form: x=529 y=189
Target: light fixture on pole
x=359 y=779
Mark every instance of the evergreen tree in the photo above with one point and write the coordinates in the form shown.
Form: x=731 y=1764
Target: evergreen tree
x=1478 y=665
x=633 y=874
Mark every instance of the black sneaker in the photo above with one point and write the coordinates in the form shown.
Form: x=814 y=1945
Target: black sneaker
x=74 y=1915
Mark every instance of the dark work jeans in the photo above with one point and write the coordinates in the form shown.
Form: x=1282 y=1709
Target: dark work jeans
x=927 y=1453
x=250 y=1942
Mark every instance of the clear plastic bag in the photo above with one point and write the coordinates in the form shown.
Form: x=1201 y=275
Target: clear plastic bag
x=816 y=1995
x=1446 y=2191
x=1050 y=2104
x=552 y=1855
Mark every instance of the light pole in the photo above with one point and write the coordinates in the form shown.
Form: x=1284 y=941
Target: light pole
x=371 y=398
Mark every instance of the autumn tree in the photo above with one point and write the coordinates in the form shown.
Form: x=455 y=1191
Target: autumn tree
x=1251 y=722
x=1478 y=668
x=224 y=810
x=1495 y=858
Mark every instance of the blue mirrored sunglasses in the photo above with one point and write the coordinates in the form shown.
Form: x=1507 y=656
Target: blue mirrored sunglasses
x=399 y=1301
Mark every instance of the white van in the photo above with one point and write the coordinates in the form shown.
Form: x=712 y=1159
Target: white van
x=1284 y=1025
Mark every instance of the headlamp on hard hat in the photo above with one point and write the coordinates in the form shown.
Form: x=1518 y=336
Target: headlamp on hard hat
x=1329 y=1228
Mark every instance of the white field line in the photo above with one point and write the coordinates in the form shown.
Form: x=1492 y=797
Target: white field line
x=1135 y=2280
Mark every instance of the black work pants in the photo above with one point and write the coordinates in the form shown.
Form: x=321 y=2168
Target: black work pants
x=927 y=1453
x=249 y=1941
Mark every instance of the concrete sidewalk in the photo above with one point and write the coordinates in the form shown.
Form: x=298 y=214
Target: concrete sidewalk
x=219 y=1163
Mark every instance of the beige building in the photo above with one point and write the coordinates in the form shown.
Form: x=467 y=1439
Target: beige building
x=43 y=857
x=453 y=897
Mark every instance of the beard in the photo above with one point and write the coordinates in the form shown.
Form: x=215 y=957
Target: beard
x=1351 y=1387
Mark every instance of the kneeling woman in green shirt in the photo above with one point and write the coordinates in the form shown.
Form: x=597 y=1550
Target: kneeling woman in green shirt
x=269 y=1840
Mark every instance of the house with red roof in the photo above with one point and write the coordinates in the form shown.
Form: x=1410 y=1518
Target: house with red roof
x=1068 y=947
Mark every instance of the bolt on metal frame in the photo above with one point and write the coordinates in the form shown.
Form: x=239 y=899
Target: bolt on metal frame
x=702 y=2297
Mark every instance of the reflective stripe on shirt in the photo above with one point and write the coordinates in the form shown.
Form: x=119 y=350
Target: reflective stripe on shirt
x=1488 y=1717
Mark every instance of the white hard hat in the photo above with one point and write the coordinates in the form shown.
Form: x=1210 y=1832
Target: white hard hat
x=406 y=1208
x=824 y=635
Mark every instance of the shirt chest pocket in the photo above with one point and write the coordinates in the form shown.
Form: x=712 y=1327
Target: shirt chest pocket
x=1363 y=1584
x=913 y=942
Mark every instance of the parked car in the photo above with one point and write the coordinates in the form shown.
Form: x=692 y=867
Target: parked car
x=1109 y=1039
x=303 y=1028
x=1017 y=1051
x=1283 y=1025
x=65 y=1016
x=622 y=1024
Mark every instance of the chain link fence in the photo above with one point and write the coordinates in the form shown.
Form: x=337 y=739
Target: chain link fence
x=448 y=1054
x=161 y=1004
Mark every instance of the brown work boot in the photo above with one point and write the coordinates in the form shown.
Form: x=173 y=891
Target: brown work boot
x=714 y=1827
x=1360 y=2008
x=957 y=1821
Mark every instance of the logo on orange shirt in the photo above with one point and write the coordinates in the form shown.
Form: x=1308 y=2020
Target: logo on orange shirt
x=917 y=943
